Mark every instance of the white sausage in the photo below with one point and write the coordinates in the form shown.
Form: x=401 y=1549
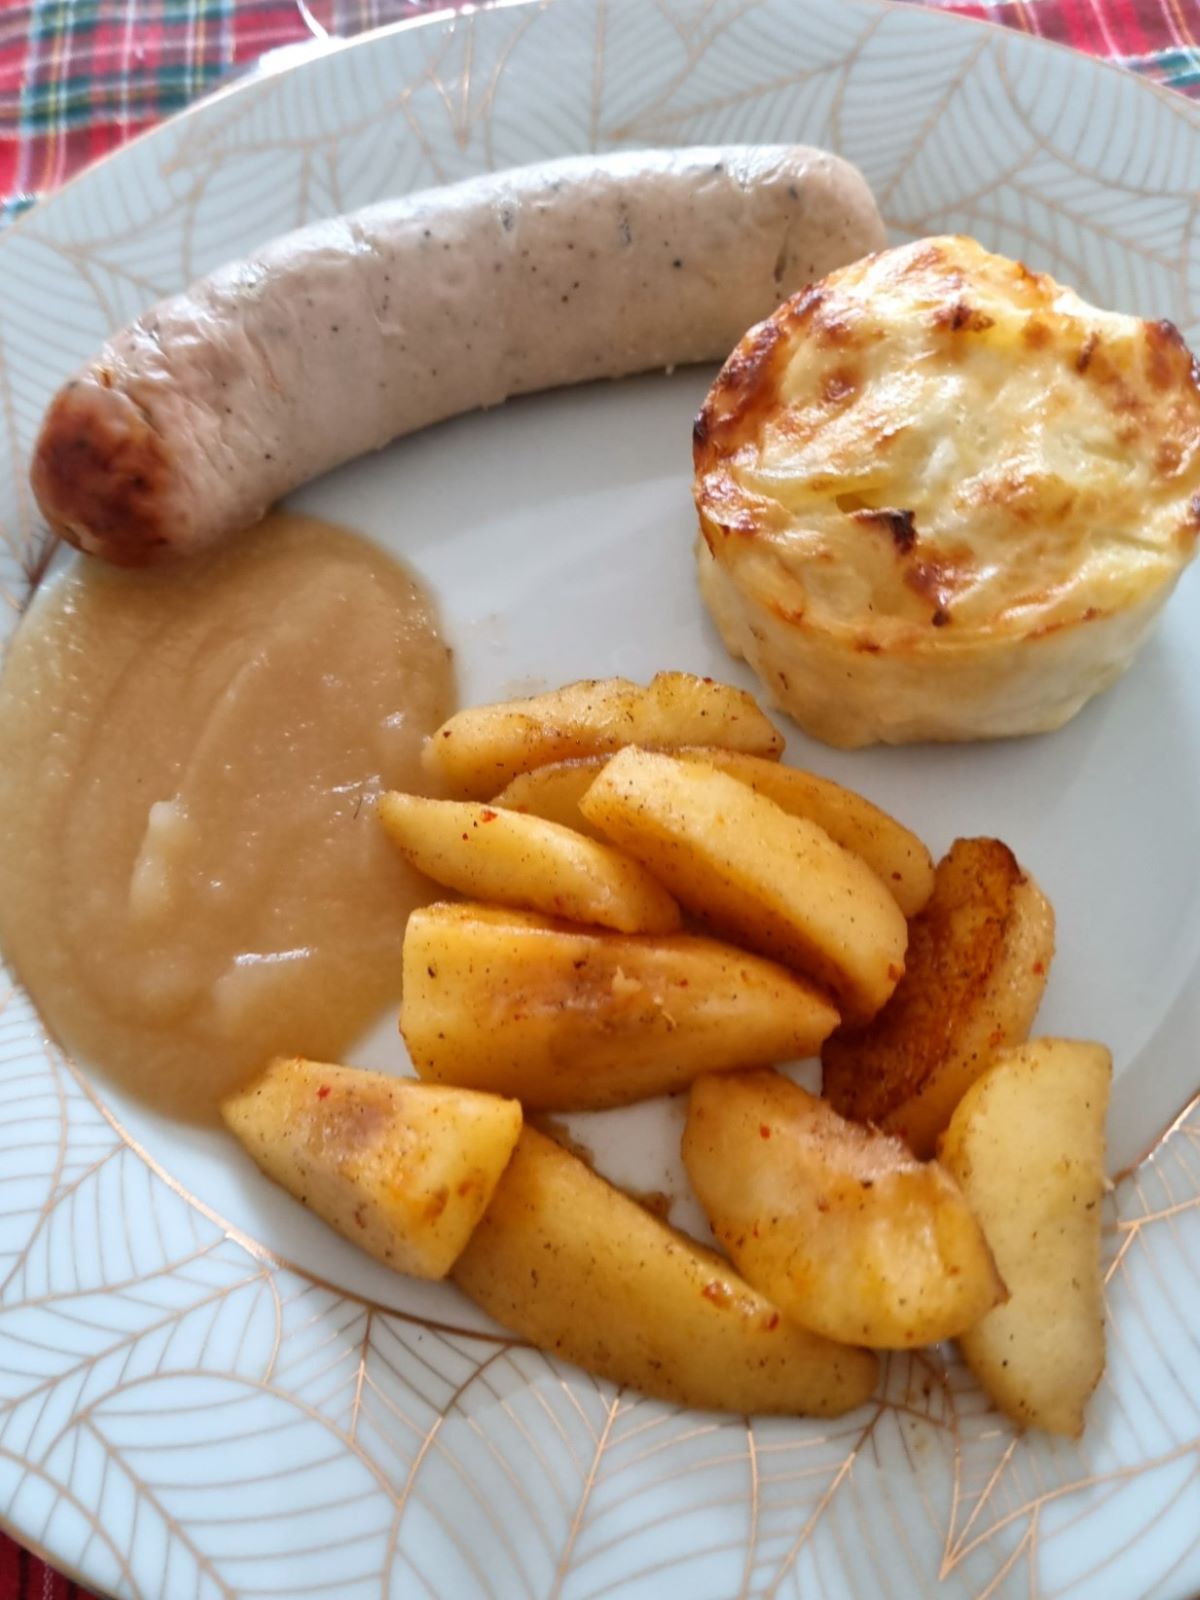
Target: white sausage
x=347 y=334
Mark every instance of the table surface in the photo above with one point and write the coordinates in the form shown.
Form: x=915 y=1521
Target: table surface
x=79 y=77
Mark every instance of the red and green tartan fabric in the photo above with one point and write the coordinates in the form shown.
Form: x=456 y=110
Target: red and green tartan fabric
x=79 y=77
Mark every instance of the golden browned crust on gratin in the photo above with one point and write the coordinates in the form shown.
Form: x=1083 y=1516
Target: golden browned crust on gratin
x=926 y=458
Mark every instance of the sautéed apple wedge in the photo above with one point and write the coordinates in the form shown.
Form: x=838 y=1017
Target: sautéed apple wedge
x=514 y=860
x=402 y=1169
x=978 y=957
x=569 y=1018
x=1027 y=1145
x=554 y=792
x=895 y=855
x=840 y=1225
x=573 y=1265
x=776 y=883
x=479 y=750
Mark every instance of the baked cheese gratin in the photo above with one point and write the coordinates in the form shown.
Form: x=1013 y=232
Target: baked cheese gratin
x=942 y=497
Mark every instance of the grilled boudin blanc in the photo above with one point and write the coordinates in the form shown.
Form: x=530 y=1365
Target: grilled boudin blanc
x=942 y=497
x=343 y=336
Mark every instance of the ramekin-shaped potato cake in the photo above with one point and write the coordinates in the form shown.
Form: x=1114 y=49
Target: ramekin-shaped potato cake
x=942 y=497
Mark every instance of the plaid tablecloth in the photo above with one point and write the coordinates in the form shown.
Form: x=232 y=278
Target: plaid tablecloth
x=79 y=77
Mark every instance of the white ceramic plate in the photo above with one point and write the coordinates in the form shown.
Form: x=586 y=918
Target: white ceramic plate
x=203 y=1393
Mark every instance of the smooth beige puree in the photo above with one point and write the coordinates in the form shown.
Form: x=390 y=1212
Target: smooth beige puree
x=192 y=876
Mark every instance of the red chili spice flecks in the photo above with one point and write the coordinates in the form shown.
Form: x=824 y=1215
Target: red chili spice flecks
x=323 y=1092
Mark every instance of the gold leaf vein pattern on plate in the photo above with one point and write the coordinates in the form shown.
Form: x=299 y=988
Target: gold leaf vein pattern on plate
x=319 y=1443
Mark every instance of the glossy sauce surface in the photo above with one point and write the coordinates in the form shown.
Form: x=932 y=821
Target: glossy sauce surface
x=192 y=876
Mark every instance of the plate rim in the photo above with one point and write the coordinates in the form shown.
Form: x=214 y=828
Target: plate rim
x=240 y=79
x=312 y=58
